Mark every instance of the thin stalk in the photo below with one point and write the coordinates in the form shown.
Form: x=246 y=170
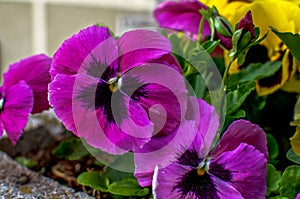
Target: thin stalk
x=201 y=25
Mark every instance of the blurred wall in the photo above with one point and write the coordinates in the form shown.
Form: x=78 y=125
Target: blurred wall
x=40 y=26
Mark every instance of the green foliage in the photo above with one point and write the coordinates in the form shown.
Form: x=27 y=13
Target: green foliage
x=235 y=98
x=253 y=71
x=116 y=175
x=71 y=149
x=241 y=46
x=273 y=148
x=291 y=40
x=94 y=180
x=26 y=162
x=128 y=187
x=273 y=179
x=292 y=156
x=290 y=182
x=210 y=46
x=122 y=185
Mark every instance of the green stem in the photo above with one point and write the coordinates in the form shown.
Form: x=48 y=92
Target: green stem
x=225 y=75
x=201 y=25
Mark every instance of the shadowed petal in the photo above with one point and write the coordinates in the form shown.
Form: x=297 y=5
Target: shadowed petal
x=247 y=167
x=181 y=16
x=71 y=54
x=241 y=131
x=138 y=47
x=17 y=106
x=163 y=150
x=34 y=71
x=208 y=124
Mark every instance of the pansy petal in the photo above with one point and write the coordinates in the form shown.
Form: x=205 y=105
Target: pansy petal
x=137 y=47
x=207 y=121
x=241 y=131
x=181 y=16
x=17 y=106
x=163 y=150
x=225 y=190
x=34 y=71
x=165 y=179
x=161 y=91
x=60 y=98
x=245 y=169
x=83 y=109
x=71 y=54
x=270 y=84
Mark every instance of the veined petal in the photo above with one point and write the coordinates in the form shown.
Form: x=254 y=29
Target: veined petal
x=181 y=16
x=225 y=190
x=34 y=71
x=165 y=179
x=71 y=54
x=163 y=150
x=161 y=91
x=17 y=106
x=88 y=108
x=138 y=47
x=247 y=168
x=241 y=131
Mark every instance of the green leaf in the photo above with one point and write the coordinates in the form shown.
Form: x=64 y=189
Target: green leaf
x=244 y=40
x=26 y=162
x=292 y=156
x=94 y=179
x=290 y=182
x=291 y=41
x=235 y=98
x=71 y=149
x=222 y=26
x=235 y=38
x=253 y=71
x=127 y=187
x=116 y=175
x=278 y=197
x=273 y=178
x=209 y=45
x=272 y=146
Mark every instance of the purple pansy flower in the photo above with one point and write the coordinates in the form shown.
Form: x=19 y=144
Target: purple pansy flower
x=24 y=91
x=117 y=93
x=234 y=168
x=182 y=16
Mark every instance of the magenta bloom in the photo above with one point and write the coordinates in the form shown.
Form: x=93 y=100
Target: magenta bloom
x=116 y=94
x=181 y=16
x=235 y=168
x=24 y=91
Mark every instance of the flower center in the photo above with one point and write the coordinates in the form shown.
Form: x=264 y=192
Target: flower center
x=200 y=171
x=203 y=167
x=115 y=84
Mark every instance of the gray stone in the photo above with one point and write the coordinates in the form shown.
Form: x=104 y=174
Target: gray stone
x=18 y=182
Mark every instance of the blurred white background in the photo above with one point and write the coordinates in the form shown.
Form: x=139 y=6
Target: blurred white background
x=28 y=27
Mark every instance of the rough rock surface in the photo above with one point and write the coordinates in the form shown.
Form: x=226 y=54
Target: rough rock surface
x=19 y=182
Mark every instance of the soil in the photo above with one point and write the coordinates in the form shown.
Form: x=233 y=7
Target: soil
x=36 y=144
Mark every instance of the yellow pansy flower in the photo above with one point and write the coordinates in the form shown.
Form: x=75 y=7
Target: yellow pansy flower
x=284 y=15
x=295 y=140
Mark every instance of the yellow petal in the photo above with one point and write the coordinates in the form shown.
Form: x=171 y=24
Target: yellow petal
x=295 y=141
x=273 y=83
